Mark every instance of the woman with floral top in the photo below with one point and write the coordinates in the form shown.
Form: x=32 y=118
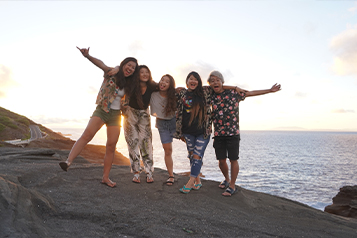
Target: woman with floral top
x=225 y=115
x=107 y=112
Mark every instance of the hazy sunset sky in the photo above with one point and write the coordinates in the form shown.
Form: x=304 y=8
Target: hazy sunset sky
x=309 y=47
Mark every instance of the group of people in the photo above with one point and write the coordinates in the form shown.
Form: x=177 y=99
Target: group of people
x=181 y=113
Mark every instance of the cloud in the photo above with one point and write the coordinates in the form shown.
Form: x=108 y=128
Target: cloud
x=135 y=47
x=344 y=47
x=300 y=95
x=353 y=9
x=6 y=80
x=42 y=119
x=92 y=90
x=342 y=111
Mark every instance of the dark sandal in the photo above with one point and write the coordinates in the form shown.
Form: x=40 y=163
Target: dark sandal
x=229 y=190
x=224 y=183
x=168 y=182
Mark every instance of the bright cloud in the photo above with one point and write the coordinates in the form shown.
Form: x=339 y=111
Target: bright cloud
x=353 y=9
x=343 y=111
x=301 y=95
x=344 y=46
x=6 y=80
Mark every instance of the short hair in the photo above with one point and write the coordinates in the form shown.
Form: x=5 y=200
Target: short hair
x=217 y=74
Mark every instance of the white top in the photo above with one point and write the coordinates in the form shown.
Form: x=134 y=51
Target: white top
x=157 y=106
x=116 y=103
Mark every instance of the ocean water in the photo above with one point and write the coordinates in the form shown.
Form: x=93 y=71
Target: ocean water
x=308 y=167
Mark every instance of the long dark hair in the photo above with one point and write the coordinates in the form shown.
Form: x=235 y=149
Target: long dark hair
x=198 y=100
x=136 y=92
x=171 y=97
x=126 y=82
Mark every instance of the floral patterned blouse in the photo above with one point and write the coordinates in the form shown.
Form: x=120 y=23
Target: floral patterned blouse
x=225 y=112
x=107 y=93
x=207 y=124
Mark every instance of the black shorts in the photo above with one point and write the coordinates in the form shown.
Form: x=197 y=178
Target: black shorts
x=226 y=147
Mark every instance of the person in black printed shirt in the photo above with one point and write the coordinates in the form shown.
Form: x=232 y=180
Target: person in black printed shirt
x=225 y=117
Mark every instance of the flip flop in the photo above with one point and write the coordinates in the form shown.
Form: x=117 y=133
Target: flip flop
x=107 y=184
x=225 y=183
x=184 y=188
x=136 y=178
x=64 y=166
x=229 y=190
x=149 y=178
x=197 y=186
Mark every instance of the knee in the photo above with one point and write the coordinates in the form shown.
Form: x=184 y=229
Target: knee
x=168 y=152
x=196 y=157
x=86 y=136
x=110 y=146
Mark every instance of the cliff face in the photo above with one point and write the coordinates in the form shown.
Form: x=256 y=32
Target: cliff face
x=345 y=202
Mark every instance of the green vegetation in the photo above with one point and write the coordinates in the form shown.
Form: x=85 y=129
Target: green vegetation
x=27 y=136
x=2 y=127
x=23 y=120
x=7 y=122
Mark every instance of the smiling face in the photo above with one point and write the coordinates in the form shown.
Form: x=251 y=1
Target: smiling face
x=129 y=68
x=191 y=83
x=216 y=84
x=164 y=84
x=144 y=75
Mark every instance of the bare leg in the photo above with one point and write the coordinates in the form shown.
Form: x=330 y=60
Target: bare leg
x=112 y=139
x=234 y=175
x=234 y=172
x=225 y=170
x=94 y=124
x=168 y=161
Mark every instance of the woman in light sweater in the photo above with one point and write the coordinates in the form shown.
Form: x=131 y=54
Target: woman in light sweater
x=163 y=107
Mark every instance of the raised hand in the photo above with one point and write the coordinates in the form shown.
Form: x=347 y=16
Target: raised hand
x=84 y=51
x=275 y=88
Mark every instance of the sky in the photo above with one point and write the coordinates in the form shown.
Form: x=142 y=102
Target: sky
x=309 y=47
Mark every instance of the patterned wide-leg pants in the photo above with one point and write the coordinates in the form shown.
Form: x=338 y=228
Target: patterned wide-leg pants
x=138 y=136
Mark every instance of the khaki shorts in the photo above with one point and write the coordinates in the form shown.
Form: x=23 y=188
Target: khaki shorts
x=111 y=118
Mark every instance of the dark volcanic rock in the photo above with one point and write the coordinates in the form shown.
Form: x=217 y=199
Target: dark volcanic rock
x=345 y=202
x=39 y=199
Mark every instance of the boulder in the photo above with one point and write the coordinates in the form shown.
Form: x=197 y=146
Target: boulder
x=344 y=203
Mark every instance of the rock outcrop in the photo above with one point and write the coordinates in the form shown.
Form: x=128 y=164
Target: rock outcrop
x=344 y=203
x=38 y=199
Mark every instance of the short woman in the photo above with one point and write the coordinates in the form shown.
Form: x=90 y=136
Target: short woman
x=163 y=107
x=107 y=112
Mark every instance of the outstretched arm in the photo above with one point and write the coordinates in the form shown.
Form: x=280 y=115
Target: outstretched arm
x=273 y=89
x=95 y=61
x=236 y=88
